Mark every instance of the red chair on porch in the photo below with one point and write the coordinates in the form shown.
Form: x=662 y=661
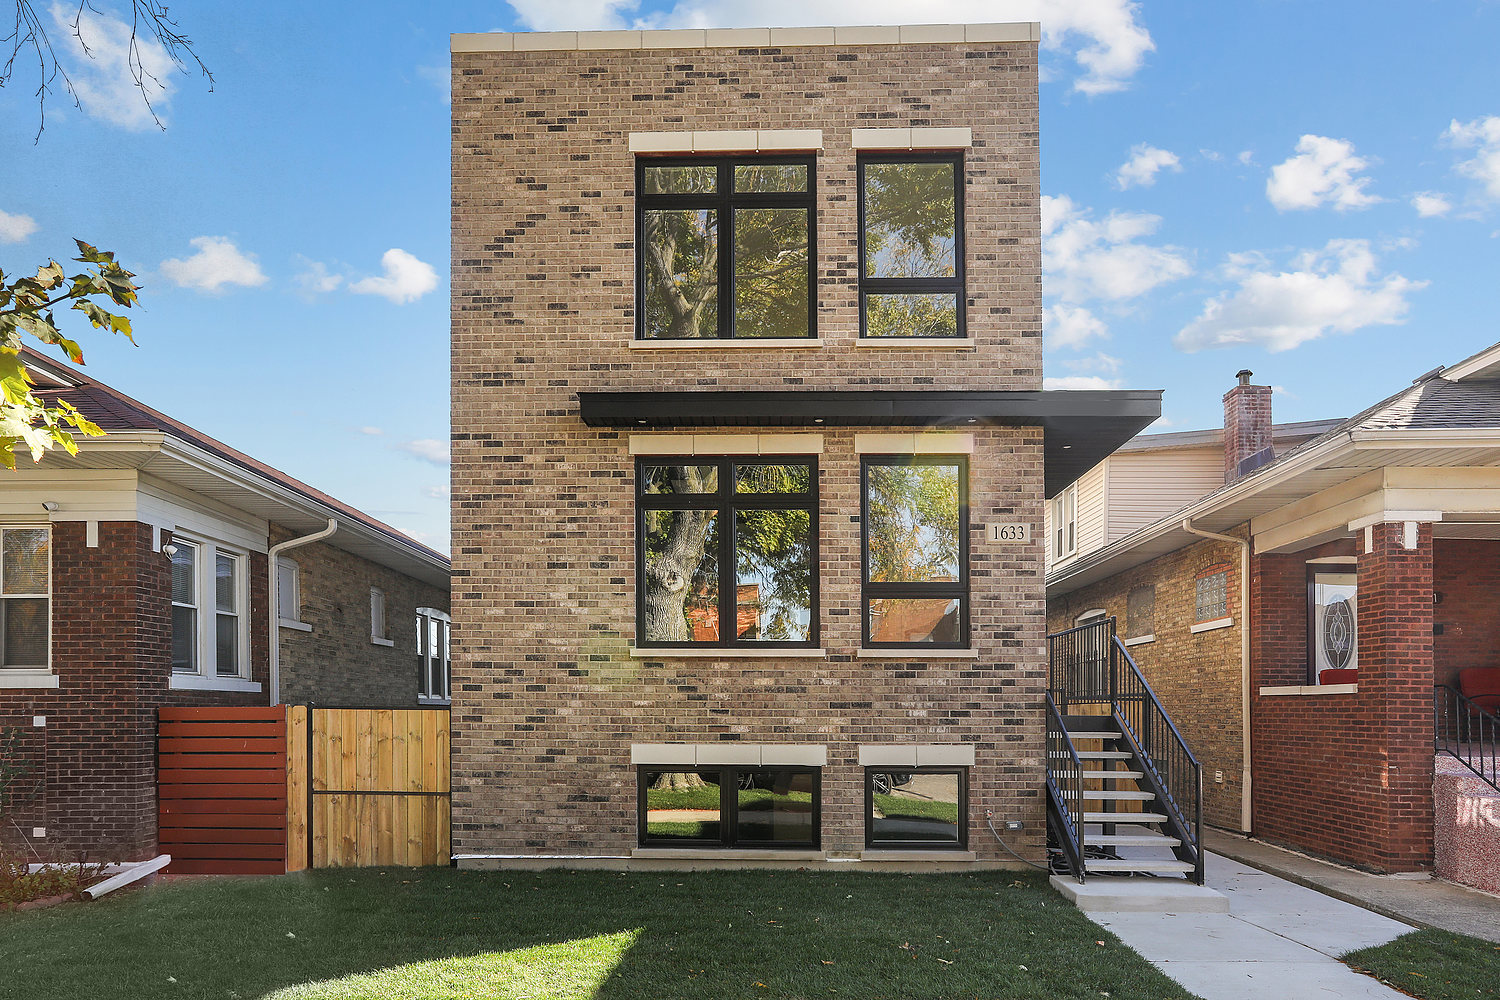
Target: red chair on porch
x=1340 y=675
x=1481 y=685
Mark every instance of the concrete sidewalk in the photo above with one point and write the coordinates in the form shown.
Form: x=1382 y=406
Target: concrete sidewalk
x=1426 y=902
x=1278 y=939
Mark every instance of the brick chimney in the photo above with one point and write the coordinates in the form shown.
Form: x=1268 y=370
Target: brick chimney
x=1247 y=428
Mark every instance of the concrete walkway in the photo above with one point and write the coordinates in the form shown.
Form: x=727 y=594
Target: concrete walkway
x=1278 y=939
x=1427 y=902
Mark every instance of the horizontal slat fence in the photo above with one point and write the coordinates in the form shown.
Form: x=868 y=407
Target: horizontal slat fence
x=222 y=790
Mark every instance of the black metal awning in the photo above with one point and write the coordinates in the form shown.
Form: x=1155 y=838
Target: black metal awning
x=1082 y=427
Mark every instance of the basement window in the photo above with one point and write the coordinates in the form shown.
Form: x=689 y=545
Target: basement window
x=719 y=807
x=916 y=808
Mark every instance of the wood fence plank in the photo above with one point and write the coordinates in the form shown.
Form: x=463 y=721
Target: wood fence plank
x=296 y=789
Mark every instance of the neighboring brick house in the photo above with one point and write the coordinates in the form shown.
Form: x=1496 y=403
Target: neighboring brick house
x=136 y=575
x=1370 y=551
x=846 y=456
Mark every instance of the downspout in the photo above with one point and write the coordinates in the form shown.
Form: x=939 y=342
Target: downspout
x=1244 y=544
x=276 y=550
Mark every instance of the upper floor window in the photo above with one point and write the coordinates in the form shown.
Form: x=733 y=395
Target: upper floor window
x=378 y=634
x=210 y=613
x=727 y=541
x=288 y=590
x=25 y=596
x=1211 y=594
x=916 y=550
x=434 y=661
x=911 y=245
x=725 y=247
x=1065 y=523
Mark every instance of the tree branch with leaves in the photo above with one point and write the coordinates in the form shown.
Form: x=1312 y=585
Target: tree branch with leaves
x=27 y=307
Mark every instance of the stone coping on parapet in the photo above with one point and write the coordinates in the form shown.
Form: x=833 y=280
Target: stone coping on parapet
x=746 y=38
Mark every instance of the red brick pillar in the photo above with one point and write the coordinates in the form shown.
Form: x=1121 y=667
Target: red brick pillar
x=1395 y=681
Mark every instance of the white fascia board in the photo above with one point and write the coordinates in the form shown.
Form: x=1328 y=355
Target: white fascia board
x=1426 y=437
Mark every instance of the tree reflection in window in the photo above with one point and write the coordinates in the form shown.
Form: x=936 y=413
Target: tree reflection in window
x=911 y=239
x=915 y=551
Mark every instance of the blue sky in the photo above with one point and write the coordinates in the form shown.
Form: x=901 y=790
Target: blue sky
x=1311 y=191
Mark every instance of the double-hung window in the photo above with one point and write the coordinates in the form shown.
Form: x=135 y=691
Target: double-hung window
x=210 y=610
x=25 y=597
x=915 y=522
x=727 y=541
x=911 y=245
x=434 y=633
x=725 y=248
x=1065 y=523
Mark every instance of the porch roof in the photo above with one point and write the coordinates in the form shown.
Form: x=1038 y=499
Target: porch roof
x=1081 y=428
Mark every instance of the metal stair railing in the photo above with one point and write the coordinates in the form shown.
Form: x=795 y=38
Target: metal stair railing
x=1466 y=732
x=1089 y=665
x=1065 y=789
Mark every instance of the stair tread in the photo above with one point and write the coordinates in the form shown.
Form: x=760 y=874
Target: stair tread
x=1116 y=817
x=1136 y=865
x=1094 y=734
x=1124 y=795
x=1129 y=840
x=1102 y=775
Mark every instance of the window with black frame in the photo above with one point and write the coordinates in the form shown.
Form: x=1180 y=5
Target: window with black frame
x=911 y=245
x=759 y=807
x=725 y=248
x=916 y=808
x=726 y=541
x=915 y=528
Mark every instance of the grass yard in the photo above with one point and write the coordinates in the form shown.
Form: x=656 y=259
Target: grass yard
x=436 y=932
x=1435 y=965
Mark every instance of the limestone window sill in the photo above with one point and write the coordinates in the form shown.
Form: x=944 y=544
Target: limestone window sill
x=1139 y=640
x=294 y=626
x=1217 y=623
x=726 y=653
x=423 y=699
x=1308 y=689
x=28 y=679
x=732 y=343
x=376 y=641
x=196 y=682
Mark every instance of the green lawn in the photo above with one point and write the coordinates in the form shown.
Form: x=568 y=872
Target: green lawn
x=410 y=933
x=1435 y=965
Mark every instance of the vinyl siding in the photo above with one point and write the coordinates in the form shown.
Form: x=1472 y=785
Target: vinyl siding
x=1146 y=486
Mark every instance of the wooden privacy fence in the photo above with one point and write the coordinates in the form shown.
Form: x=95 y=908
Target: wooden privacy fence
x=270 y=790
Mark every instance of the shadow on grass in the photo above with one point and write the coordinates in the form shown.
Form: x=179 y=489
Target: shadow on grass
x=421 y=933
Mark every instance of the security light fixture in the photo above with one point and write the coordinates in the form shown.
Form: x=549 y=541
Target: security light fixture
x=169 y=550
x=49 y=505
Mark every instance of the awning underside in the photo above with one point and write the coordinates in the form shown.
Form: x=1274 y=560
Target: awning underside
x=1082 y=427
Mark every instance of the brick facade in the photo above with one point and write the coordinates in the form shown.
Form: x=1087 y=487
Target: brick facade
x=1196 y=676
x=336 y=663
x=547 y=698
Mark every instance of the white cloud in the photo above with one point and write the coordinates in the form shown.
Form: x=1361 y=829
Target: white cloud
x=1104 y=37
x=1144 y=164
x=100 y=61
x=217 y=263
x=371 y=431
x=1246 y=157
x=441 y=78
x=315 y=278
x=1070 y=326
x=1430 y=204
x=15 y=228
x=1101 y=362
x=1333 y=290
x=438 y=492
x=1087 y=259
x=1483 y=136
x=1080 y=382
x=406 y=278
x=1322 y=172
x=428 y=450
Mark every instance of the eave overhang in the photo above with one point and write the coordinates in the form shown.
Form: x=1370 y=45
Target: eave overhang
x=1082 y=427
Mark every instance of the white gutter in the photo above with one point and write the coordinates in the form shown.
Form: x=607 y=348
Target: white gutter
x=275 y=616
x=1244 y=545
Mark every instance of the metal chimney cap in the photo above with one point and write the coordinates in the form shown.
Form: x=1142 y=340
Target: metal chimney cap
x=1244 y=376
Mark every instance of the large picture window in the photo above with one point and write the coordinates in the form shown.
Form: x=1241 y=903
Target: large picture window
x=1332 y=624
x=915 y=526
x=210 y=610
x=752 y=807
x=25 y=597
x=924 y=807
x=726 y=552
x=911 y=245
x=725 y=248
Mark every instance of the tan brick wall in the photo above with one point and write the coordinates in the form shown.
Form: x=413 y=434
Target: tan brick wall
x=547 y=700
x=336 y=663
x=1197 y=677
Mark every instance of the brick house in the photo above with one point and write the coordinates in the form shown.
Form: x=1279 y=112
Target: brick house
x=137 y=575
x=846 y=456
x=1308 y=619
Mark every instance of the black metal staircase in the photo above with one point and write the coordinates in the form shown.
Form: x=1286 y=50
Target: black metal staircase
x=1119 y=774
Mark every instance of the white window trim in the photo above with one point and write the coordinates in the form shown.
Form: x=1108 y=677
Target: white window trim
x=34 y=675
x=1217 y=623
x=1060 y=524
x=444 y=697
x=1089 y=615
x=379 y=636
x=207 y=677
x=297 y=623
